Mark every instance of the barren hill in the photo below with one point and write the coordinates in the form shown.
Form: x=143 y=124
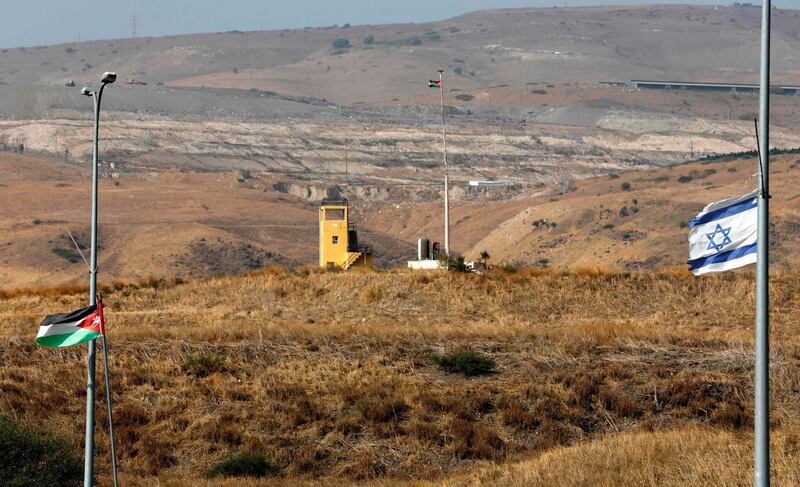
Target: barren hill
x=480 y=50
x=522 y=91
x=190 y=224
x=225 y=152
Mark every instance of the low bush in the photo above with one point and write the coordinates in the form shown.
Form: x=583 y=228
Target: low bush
x=243 y=464
x=467 y=362
x=70 y=255
x=30 y=458
x=454 y=264
x=341 y=43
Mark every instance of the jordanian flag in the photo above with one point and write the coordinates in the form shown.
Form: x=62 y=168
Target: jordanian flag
x=434 y=84
x=67 y=329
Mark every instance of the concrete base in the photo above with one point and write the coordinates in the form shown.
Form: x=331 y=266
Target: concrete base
x=428 y=264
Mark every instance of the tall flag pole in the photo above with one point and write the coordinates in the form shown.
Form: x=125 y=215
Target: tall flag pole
x=108 y=390
x=446 y=170
x=761 y=440
x=440 y=84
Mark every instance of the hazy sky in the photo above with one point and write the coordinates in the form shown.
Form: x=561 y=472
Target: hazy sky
x=36 y=22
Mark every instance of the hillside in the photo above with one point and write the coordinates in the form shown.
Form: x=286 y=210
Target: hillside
x=201 y=224
x=483 y=49
x=638 y=219
x=523 y=96
x=596 y=375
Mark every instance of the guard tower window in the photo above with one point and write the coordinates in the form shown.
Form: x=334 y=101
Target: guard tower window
x=335 y=239
x=334 y=214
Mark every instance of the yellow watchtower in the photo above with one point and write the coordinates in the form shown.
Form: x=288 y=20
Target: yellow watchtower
x=338 y=238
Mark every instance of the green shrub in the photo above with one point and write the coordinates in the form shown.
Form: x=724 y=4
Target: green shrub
x=468 y=362
x=507 y=267
x=32 y=459
x=202 y=365
x=243 y=464
x=455 y=264
x=341 y=43
x=70 y=255
x=369 y=40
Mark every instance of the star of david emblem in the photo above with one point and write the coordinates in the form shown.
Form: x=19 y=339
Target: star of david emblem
x=726 y=239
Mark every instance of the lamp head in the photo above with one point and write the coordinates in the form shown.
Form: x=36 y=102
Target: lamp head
x=109 y=77
x=87 y=91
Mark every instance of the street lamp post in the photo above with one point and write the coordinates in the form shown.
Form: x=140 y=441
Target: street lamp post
x=88 y=470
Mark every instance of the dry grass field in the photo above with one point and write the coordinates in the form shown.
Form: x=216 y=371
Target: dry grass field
x=599 y=376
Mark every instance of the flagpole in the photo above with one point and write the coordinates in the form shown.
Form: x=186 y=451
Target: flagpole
x=761 y=440
x=88 y=466
x=108 y=395
x=446 y=175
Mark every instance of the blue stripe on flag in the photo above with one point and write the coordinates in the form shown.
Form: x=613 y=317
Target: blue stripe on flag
x=722 y=256
x=739 y=207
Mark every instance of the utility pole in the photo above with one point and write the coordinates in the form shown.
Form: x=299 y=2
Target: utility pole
x=134 y=21
x=761 y=439
x=446 y=172
x=88 y=470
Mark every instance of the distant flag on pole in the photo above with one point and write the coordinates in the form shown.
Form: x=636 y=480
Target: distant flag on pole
x=67 y=329
x=434 y=84
x=724 y=235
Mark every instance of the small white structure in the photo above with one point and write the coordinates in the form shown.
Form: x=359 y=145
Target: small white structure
x=492 y=184
x=427 y=256
x=425 y=265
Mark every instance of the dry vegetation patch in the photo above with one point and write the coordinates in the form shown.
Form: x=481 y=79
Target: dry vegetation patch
x=327 y=385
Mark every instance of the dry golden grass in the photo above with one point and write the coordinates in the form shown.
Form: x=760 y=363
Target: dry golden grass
x=331 y=376
x=689 y=457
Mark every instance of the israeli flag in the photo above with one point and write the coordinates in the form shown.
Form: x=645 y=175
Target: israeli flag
x=724 y=235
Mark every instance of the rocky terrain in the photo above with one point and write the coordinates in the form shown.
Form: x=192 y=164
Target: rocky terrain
x=227 y=141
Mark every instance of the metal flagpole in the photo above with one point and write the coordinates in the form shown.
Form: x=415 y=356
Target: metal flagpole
x=446 y=175
x=761 y=440
x=108 y=395
x=88 y=467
